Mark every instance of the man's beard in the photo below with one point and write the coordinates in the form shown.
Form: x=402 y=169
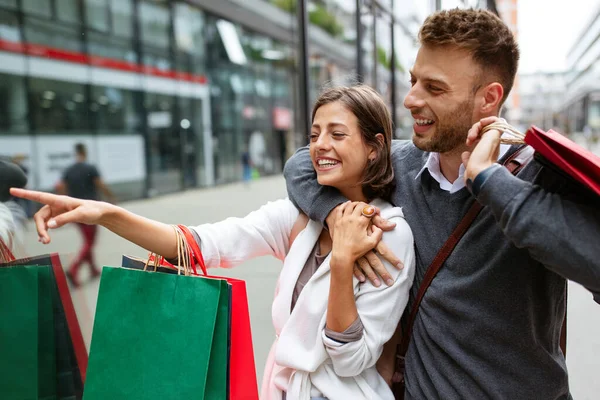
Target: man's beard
x=452 y=133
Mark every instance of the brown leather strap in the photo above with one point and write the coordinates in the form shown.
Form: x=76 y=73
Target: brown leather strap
x=514 y=164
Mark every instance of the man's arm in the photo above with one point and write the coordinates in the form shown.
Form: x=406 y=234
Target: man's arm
x=108 y=194
x=305 y=192
x=557 y=231
x=561 y=234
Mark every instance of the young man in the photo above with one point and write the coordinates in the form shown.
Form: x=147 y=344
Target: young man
x=489 y=324
x=82 y=180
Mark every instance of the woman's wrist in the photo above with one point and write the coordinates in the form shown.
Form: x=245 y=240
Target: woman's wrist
x=340 y=259
x=108 y=213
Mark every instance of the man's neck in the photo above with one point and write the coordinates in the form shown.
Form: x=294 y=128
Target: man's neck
x=450 y=165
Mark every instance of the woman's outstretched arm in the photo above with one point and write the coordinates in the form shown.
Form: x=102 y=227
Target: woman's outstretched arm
x=153 y=236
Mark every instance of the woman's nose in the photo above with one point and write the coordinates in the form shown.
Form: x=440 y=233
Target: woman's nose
x=323 y=142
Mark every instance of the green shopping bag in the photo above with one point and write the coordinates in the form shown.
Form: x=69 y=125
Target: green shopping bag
x=158 y=336
x=47 y=377
x=58 y=368
x=19 y=333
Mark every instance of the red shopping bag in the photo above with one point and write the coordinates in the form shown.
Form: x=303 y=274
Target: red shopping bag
x=242 y=370
x=568 y=156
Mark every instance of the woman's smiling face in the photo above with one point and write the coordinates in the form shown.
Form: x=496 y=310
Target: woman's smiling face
x=338 y=151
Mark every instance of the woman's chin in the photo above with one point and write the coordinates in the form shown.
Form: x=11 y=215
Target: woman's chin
x=327 y=181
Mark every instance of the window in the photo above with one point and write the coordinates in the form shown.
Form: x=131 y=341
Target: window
x=42 y=8
x=9 y=27
x=122 y=14
x=100 y=44
x=114 y=110
x=59 y=107
x=154 y=24
x=189 y=38
x=96 y=13
x=51 y=34
x=12 y=4
x=68 y=11
x=13 y=105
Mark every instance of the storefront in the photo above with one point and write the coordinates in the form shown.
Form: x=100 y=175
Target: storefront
x=168 y=95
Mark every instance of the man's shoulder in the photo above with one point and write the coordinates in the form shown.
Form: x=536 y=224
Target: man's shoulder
x=405 y=153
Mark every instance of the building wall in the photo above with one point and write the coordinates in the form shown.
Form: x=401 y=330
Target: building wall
x=580 y=106
x=508 y=10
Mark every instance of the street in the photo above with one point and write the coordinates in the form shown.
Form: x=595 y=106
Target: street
x=209 y=205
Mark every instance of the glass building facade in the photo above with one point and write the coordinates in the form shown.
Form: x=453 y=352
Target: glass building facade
x=168 y=95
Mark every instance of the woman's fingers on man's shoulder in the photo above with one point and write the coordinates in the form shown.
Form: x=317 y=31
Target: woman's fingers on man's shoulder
x=385 y=252
x=382 y=223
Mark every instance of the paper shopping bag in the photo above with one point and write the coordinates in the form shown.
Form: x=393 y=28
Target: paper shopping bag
x=577 y=162
x=158 y=336
x=61 y=354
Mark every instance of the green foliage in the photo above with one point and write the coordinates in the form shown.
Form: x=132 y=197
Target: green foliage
x=286 y=5
x=319 y=16
x=383 y=59
x=324 y=19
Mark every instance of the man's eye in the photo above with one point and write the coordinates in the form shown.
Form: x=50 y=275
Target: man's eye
x=412 y=82
x=434 y=88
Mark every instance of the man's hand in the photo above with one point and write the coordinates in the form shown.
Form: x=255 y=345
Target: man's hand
x=486 y=150
x=371 y=265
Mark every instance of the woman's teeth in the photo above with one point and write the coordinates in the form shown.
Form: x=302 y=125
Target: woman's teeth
x=326 y=163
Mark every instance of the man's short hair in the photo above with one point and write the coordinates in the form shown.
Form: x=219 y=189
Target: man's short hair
x=80 y=149
x=489 y=40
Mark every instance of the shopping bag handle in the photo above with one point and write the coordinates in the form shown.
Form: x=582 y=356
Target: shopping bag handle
x=515 y=136
x=195 y=249
x=5 y=254
x=185 y=257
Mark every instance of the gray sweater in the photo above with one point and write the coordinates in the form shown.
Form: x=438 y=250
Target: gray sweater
x=489 y=324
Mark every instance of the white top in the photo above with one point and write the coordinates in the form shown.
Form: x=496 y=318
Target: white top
x=433 y=165
x=304 y=362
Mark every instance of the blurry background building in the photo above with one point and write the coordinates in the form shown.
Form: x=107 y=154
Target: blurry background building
x=541 y=97
x=581 y=103
x=167 y=95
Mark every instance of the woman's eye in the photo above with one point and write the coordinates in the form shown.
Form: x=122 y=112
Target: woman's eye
x=338 y=135
x=312 y=137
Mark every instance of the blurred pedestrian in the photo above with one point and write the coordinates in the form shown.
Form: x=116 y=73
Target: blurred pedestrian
x=82 y=180
x=246 y=166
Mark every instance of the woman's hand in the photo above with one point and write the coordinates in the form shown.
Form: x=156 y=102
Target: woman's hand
x=353 y=234
x=60 y=210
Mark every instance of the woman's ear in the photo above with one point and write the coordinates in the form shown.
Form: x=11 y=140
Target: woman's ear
x=373 y=153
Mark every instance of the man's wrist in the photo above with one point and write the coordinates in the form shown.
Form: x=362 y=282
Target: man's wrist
x=476 y=184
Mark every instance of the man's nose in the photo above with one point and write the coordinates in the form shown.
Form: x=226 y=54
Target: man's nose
x=414 y=99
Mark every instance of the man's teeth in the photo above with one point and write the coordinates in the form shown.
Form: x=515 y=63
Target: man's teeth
x=424 y=121
x=327 y=162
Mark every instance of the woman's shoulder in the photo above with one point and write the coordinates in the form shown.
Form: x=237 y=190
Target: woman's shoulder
x=387 y=209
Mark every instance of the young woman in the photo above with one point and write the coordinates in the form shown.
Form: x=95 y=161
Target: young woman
x=330 y=327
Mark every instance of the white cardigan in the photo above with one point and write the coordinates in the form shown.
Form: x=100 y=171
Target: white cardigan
x=304 y=362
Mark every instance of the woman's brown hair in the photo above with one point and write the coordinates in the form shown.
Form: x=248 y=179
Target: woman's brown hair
x=373 y=118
